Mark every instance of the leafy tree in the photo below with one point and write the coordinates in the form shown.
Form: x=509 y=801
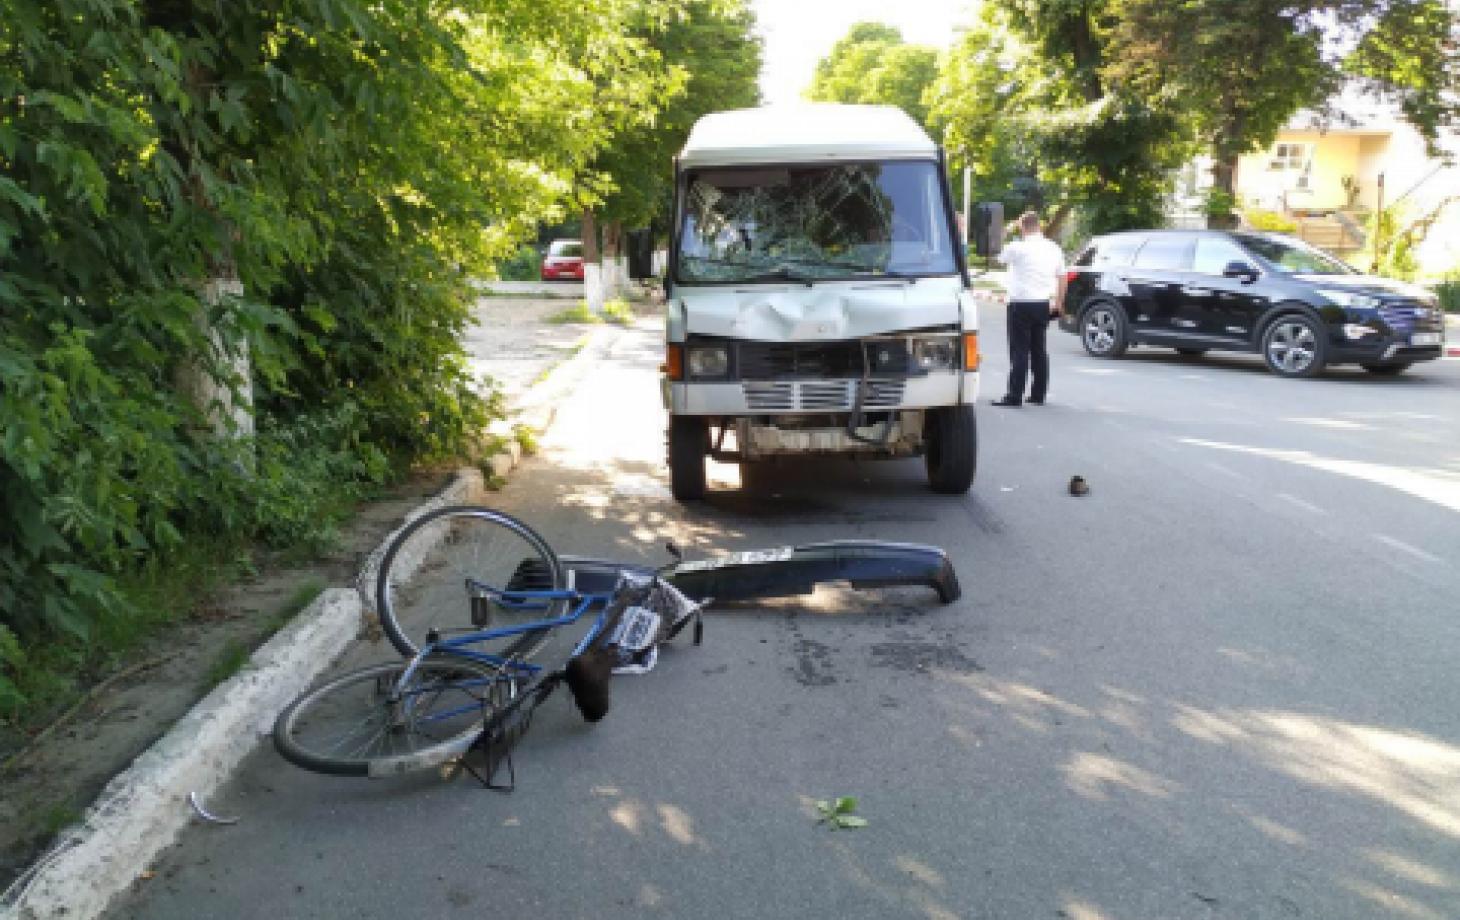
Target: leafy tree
x=353 y=164
x=872 y=64
x=1237 y=70
x=1022 y=101
x=710 y=59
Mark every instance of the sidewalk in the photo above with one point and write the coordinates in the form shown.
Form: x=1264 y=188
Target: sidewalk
x=147 y=803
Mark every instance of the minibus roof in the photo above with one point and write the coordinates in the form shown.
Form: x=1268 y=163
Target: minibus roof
x=805 y=133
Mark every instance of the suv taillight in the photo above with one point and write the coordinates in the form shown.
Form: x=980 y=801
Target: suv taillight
x=1071 y=275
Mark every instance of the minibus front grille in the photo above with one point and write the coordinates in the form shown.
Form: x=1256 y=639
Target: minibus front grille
x=789 y=360
x=821 y=395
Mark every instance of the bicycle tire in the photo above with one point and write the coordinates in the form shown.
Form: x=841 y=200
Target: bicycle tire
x=340 y=701
x=462 y=541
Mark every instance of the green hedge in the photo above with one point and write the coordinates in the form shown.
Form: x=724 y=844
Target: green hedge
x=331 y=155
x=1449 y=294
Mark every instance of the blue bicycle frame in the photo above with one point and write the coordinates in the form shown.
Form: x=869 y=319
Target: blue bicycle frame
x=512 y=669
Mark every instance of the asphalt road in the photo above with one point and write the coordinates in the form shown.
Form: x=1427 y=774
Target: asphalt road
x=1224 y=684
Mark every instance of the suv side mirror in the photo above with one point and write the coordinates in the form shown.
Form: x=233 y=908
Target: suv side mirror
x=1240 y=270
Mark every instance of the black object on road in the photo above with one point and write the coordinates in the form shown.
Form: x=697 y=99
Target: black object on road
x=1078 y=486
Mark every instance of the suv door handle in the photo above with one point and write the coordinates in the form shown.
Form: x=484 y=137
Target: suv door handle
x=1196 y=291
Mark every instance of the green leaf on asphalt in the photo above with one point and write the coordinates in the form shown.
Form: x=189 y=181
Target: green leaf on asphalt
x=837 y=813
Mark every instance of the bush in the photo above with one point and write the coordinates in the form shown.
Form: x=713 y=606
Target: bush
x=1270 y=221
x=526 y=265
x=618 y=311
x=1449 y=293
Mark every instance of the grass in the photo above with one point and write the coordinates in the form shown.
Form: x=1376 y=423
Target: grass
x=302 y=597
x=575 y=314
x=60 y=670
x=235 y=652
x=526 y=439
x=618 y=311
x=230 y=660
x=42 y=822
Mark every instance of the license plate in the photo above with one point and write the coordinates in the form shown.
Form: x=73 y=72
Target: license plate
x=751 y=557
x=1425 y=338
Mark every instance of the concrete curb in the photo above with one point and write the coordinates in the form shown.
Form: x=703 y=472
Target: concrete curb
x=537 y=407
x=144 y=809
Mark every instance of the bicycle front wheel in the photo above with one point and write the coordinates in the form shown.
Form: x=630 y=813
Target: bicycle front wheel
x=366 y=723
x=434 y=572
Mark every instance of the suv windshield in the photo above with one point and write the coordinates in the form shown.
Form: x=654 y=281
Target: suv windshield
x=1293 y=257
x=814 y=223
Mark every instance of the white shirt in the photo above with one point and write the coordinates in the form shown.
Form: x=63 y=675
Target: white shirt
x=1035 y=266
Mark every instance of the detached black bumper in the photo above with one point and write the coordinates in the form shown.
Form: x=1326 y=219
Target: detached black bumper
x=790 y=570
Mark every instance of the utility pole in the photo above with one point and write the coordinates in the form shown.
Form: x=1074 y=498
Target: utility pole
x=967 y=185
x=1378 y=221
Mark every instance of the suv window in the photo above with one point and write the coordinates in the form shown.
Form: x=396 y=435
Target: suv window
x=1214 y=252
x=1113 y=250
x=1293 y=256
x=1166 y=251
x=566 y=248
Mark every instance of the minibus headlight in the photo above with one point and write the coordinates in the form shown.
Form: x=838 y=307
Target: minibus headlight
x=935 y=354
x=713 y=361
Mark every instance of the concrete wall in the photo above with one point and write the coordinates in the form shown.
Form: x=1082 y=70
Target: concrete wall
x=1331 y=158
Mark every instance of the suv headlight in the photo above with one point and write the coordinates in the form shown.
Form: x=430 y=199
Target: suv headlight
x=709 y=361
x=1350 y=299
x=935 y=354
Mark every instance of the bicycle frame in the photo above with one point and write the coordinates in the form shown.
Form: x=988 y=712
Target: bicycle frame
x=512 y=669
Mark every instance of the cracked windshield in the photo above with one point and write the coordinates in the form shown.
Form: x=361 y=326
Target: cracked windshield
x=814 y=223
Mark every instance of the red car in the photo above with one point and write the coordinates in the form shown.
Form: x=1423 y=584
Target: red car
x=564 y=261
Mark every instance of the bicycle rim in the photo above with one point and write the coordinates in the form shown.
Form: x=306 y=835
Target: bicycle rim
x=365 y=724
x=427 y=575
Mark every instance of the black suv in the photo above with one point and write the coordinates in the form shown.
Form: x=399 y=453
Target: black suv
x=1195 y=290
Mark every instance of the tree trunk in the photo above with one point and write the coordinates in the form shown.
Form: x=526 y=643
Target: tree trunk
x=1056 y=223
x=218 y=382
x=615 y=271
x=592 y=264
x=226 y=403
x=1224 y=189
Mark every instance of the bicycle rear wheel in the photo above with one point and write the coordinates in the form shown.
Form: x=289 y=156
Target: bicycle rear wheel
x=364 y=724
x=433 y=572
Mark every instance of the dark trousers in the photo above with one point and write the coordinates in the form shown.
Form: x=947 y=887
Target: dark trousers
x=1028 y=321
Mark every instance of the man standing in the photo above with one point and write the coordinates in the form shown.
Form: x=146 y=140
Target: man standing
x=1036 y=291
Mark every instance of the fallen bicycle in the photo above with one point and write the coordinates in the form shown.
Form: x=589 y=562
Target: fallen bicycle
x=466 y=689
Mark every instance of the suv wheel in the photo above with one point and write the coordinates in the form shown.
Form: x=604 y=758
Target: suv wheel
x=689 y=441
x=1102 y=330
x=1293 y=346
x=1386 y=370
x=952 y=449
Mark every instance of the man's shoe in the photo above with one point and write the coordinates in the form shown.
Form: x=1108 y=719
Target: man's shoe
x=1035 y=402
x=1006 y=401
